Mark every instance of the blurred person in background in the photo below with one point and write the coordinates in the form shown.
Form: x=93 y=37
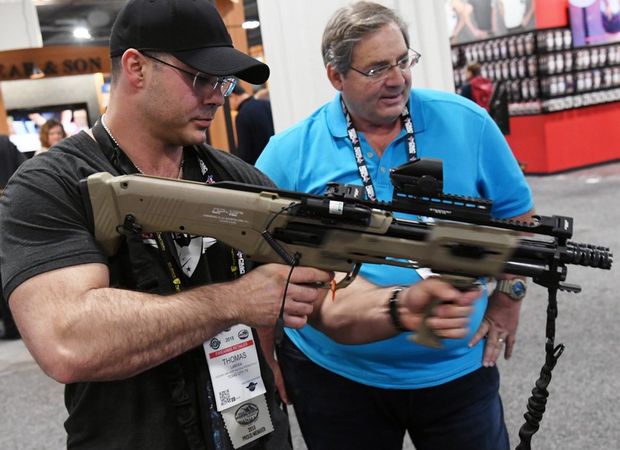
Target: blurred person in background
x=51 y=133
x=477 y=88
x=253 y=122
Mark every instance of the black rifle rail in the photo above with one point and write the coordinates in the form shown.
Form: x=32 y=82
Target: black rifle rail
x=475 y=211
x=461 y=209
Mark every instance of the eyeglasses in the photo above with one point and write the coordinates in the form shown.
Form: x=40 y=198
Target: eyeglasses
x=203 y=82
x=381 y=72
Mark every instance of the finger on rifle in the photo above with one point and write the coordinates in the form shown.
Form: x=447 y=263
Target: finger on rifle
x=294 y=321
x=449 y=328
x=439 y=324
x=303 y=293
x=451 y=310
x=311 y=276
x=420 y=294
x=295 y=307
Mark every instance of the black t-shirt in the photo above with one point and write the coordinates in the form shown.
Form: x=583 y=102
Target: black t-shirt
x=44 y=227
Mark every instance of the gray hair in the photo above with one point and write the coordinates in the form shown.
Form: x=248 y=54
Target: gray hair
x=351 y=24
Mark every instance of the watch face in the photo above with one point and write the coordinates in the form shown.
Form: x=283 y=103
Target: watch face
x=518 y=289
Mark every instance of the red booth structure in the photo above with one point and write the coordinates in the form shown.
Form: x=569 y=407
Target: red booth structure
x=555 y=142
x=560 y=141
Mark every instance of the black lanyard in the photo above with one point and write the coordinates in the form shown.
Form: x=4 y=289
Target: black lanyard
x=405 y=118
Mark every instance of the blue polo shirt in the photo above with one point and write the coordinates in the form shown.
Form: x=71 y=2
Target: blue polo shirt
x=476 y=162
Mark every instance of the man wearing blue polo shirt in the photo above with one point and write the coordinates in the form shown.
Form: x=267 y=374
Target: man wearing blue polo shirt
x=353 y=388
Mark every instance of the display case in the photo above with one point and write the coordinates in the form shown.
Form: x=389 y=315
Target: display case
x=542 y=70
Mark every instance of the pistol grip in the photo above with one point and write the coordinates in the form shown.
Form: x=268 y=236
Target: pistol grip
x=424 y=334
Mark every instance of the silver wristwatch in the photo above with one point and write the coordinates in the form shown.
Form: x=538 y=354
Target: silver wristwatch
x=515 y=288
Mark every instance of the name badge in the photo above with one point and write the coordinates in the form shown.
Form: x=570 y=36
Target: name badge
x=237 y=384
x=234 y=368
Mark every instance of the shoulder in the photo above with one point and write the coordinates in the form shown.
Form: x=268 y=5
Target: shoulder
x=51 y=181
x=285 y=148
x=80 y=146
x=57 y=173
x=77 y=155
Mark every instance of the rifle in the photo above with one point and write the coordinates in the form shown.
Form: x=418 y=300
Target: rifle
x=340 y=231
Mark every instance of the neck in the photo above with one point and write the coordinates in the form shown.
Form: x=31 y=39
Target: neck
x=377 y=129
x=147 y=154
x=389 y=125
x=379 y=136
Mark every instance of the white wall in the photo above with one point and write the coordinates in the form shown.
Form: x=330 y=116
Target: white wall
x=52 y=91
x=19 y=25
x=291 y=31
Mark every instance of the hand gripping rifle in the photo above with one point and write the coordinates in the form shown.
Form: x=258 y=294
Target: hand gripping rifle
x=340 y=231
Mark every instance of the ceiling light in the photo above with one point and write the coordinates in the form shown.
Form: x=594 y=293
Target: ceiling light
x=81 y=33
x=250 y=24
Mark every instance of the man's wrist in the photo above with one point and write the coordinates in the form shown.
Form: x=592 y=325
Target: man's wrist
x=393 y=311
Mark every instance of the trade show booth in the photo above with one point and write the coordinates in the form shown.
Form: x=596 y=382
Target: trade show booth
x=562 y=74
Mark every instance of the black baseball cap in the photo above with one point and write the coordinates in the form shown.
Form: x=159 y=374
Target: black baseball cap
x=191 y=30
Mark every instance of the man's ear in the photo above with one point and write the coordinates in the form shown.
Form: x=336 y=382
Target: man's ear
x=133 y=63
x=335 y=77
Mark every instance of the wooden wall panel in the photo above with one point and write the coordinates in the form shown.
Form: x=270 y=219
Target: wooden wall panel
x=55 y=61
x=233 y=15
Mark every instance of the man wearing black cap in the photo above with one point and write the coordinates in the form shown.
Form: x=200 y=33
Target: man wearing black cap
x=133 y=336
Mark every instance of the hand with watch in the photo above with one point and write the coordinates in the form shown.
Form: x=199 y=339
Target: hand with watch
x=501 y=319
